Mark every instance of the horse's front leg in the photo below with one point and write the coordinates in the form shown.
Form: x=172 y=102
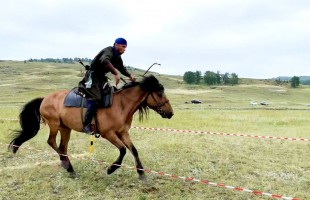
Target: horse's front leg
x=127 y=141
x=112 y=137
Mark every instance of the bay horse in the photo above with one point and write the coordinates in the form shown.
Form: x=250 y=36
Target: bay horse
x=113 y=123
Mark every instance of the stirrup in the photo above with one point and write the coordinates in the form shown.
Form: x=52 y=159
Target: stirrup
x=97 y=135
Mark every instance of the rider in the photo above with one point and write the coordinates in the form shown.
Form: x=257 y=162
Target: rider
x=107 y=60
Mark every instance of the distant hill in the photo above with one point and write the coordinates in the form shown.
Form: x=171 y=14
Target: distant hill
x=21 y=81
x=305 y=80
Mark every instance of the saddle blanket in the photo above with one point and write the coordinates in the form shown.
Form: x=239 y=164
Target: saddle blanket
x=75 y=98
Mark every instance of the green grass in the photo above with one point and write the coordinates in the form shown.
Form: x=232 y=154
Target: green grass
x=273 y=166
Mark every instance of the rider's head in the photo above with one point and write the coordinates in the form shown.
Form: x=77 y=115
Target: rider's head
x=120 y=45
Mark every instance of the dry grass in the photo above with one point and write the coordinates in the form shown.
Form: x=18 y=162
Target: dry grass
x=273 y=166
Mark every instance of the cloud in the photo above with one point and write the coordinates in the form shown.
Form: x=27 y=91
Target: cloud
x=252 y=38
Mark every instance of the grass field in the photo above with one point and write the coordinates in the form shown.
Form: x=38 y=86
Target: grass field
x=272 y=166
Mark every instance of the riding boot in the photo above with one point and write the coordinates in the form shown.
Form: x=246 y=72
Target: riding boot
x=92 y=106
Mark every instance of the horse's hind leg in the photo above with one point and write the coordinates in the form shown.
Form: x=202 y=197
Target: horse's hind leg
x=127 y=141
x=122 y=151
x=62 y=150
x=63 y=147
x=52 y=137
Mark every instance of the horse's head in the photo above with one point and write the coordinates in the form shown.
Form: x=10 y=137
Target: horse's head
x=156 y=98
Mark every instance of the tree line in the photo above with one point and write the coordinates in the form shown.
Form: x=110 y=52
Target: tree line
x=59 y=60
x=210 y=78
x=294 y=81
x=190 y=77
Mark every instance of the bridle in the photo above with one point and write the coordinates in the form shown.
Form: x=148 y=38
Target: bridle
x=159 y=105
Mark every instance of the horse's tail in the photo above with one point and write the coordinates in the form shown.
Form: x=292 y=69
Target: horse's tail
x=29 y=119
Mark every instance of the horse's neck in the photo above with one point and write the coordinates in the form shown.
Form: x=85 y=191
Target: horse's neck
x=130 y=99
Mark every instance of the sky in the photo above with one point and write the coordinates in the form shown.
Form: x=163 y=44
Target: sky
x=252 y=38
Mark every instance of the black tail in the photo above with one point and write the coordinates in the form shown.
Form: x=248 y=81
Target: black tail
x=29 y=120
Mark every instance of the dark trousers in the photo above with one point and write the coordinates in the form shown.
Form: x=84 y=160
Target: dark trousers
x=92 y=106
x=94 y=92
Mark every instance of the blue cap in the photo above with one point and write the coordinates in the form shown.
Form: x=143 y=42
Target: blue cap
x=121 y=41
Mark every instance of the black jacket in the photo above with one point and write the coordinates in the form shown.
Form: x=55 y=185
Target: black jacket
x=99 y=63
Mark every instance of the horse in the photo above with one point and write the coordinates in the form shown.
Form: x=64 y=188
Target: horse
x=113 y=123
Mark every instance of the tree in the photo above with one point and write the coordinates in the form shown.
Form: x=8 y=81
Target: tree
x=234 y=80
x=189 y=77
x=295 y=81
x=226 y=79
x=210 y=78
x=197 y=77
x=218 y=77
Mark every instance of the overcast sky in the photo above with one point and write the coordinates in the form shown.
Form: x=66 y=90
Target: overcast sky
x=253 y=38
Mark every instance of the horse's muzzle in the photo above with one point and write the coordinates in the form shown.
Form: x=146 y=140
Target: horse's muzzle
x=166 y=115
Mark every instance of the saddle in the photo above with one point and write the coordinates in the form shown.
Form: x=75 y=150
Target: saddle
x=76 y=98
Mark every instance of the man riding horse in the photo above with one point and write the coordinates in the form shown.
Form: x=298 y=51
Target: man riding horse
x=107 y=60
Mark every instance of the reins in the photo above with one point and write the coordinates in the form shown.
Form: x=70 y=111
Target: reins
x=158 y=105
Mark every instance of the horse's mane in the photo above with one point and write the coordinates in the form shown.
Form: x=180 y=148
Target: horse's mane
x=148 y=84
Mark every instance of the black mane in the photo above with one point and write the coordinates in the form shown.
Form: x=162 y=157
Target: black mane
x=151 y=84
x=148 y=84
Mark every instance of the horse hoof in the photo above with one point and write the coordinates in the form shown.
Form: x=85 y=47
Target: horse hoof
x=73 y=175
x=110 y=170
x=142 y=177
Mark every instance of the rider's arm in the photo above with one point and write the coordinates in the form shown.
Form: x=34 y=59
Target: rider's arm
x=120 y=66
x=105 y=60
x=111 y=68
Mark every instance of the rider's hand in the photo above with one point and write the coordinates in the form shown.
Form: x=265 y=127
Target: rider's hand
x=117 y=78
x=132 y=78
